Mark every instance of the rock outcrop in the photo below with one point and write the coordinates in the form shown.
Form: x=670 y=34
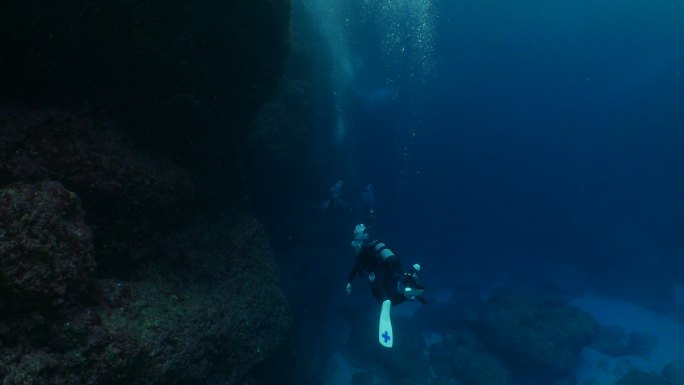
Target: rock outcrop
x=46 y=251
x=536 y=337
x=209 y=313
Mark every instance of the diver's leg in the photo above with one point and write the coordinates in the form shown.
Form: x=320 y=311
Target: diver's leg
x=378 y=291
x=397 y=299
x=391 y=283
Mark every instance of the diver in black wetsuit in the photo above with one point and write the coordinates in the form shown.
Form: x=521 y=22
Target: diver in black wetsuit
x=383 y=270
x=335 y=205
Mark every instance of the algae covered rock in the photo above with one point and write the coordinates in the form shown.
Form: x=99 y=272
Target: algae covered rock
x=211 y=327
x=128 y=195
x=92 y=159
x=46 y=251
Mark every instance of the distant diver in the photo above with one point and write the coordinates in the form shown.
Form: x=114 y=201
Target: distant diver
x=335 y=204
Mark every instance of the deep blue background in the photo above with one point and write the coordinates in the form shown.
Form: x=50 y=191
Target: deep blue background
x=544 y=146
x=547 y=134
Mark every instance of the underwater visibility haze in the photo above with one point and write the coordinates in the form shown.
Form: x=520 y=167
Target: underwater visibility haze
x=181 y=185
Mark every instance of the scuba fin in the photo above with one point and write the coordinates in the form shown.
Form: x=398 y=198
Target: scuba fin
x=385 y=335
x=412 y=292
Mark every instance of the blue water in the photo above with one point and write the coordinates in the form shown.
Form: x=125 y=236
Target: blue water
x=498 y=133
x=538 y=143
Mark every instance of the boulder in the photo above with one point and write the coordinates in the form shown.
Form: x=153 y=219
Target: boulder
x=129 y=196
x=214 y=327
x=535 y=336
x=460 y=356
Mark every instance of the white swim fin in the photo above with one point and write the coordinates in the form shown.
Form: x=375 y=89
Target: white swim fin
x=385 y=335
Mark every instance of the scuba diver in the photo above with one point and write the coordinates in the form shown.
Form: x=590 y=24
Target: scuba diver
x=374 y=259
x=383 y=270
x=335 y=204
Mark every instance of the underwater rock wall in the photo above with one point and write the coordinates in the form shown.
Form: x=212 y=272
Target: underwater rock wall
x=112 y=116
x=46 y=252
x=212 y=326
x=128 y=195
x=124 y=285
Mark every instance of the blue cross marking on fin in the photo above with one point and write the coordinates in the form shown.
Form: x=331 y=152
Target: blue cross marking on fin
x=386 y=336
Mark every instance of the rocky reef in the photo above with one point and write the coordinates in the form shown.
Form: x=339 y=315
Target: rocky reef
x=537 y=337
x=129 y=195
x=206 y=305
x=126 y=284
x=672 y=374
x=46 y=251
x=511 y=337
x=119 y=264
x=212 y=326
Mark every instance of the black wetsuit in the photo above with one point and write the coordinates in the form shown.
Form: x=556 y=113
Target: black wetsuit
x=377 y=258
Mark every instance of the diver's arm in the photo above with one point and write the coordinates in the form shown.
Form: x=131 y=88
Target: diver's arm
x=354 y=271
